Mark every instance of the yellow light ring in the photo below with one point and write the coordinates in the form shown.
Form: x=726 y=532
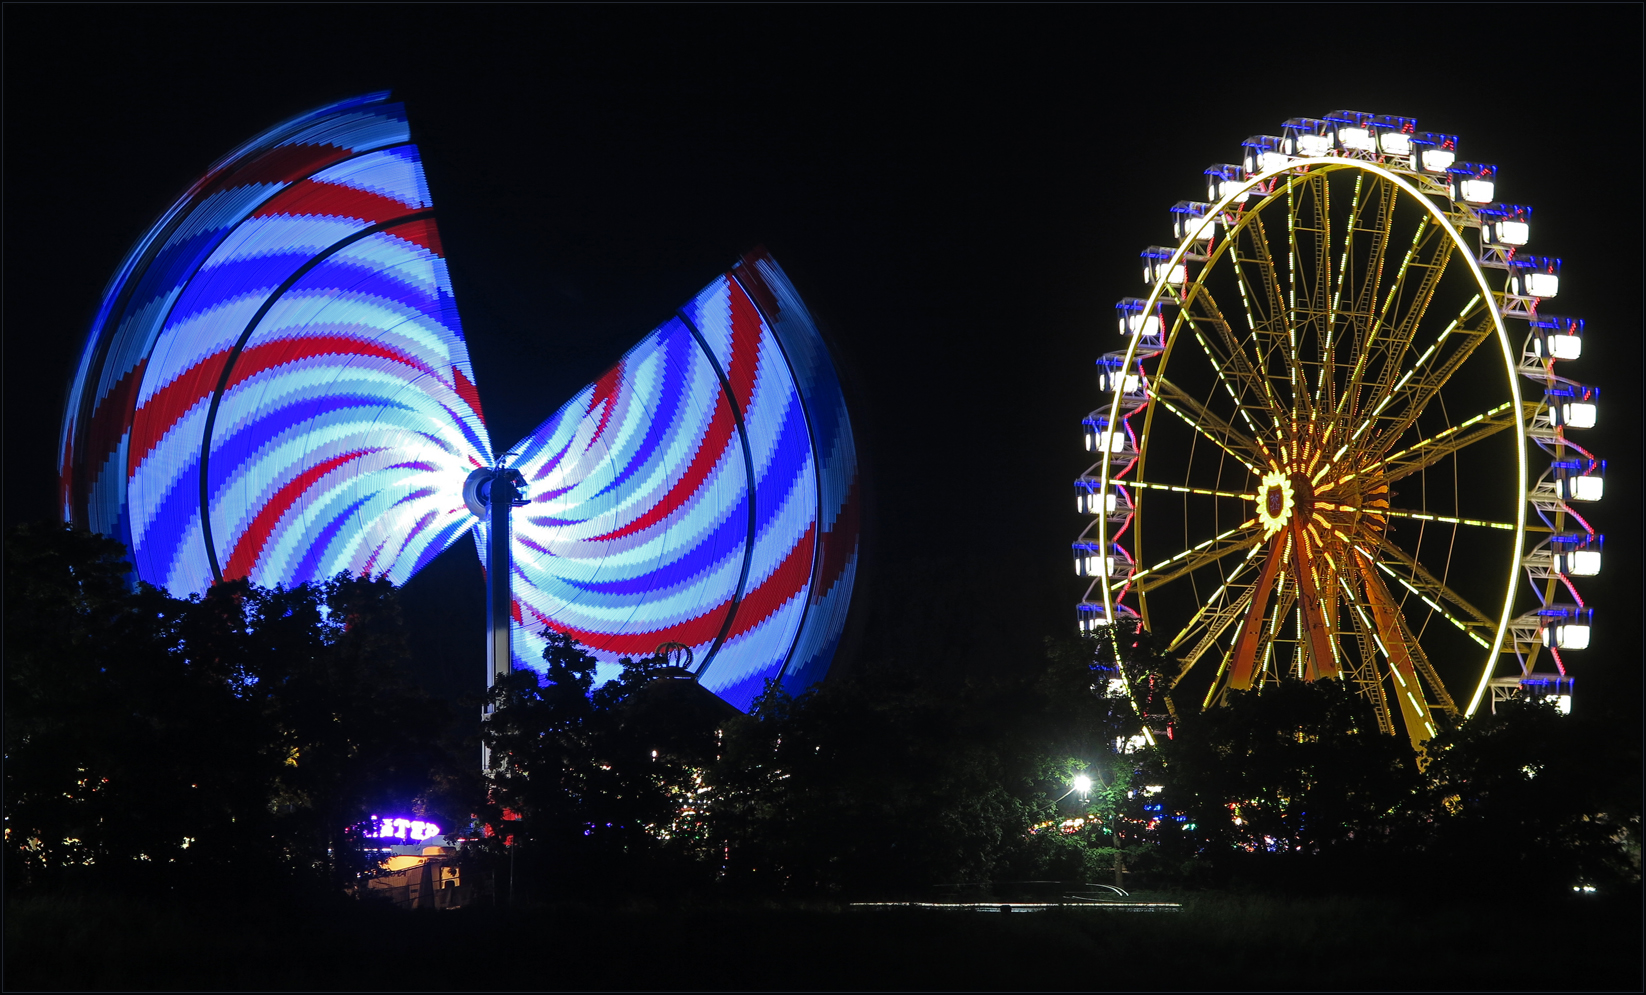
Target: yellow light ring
x=1275 y=502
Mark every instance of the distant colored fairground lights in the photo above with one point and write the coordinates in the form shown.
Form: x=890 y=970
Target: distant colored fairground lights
x=276 y=387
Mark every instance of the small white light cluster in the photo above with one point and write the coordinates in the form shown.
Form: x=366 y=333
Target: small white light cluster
x=1541 y=278
x=1158 y=267
x=1566 y=626
x=1578 y=562
x=1196 y=228
x=1562 y=346
x=1101 y=436
x=1557 y=338
x=1578 y=414
x=1584 y=487
x=1567 y=636
x=1147 y=324
x=1476 y=189
x=1089 y=564
x=1509 y=232
x=1089 y=503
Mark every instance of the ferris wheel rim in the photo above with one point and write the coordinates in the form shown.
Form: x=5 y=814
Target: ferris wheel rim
x=1323 y=165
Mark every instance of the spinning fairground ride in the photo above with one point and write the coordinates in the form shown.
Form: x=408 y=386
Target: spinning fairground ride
x=1339 y=441
x=277 y=387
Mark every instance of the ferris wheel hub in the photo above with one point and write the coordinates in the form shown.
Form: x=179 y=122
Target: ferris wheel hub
x=1276 y=499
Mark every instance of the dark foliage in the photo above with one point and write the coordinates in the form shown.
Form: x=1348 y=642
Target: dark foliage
x=595 y=790
x=1293 y=787
x=901 y=774
x=153 y=742
x=158 y=743
x=1530 y=800
x=1297 y=767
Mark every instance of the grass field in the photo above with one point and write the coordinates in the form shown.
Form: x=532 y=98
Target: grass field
x=1215 y=942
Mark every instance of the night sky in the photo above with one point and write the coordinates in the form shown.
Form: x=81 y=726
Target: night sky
x=959 y=193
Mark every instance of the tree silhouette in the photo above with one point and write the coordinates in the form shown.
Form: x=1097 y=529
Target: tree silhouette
x=152 y=740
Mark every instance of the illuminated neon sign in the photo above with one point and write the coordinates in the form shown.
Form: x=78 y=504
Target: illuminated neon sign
x=402 y=829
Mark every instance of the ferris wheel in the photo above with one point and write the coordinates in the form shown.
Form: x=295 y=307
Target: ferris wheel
x=1339 y=442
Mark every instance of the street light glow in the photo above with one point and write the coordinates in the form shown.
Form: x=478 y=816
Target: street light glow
x=1082 y=783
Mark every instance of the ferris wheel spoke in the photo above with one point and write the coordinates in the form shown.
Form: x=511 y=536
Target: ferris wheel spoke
x=1222 y=609
x=1429 y=267
x=1413 y=391
x=1422 y=516
x=1243 y=536
x=1276 y=333
x=1248 y=451
x=1234 y=369
x=1369 y=346
x=1437 y=447
x=1407 y=301
x=1416 y=578
x=1376 y=200
x=1273 y=299
x=1216 y=624
x=1150 y=485
x=1309 y=262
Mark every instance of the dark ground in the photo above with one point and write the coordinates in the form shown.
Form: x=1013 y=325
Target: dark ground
x=1216 y=942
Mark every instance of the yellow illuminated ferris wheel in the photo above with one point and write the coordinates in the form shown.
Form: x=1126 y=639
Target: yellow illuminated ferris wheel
x=1335 y=444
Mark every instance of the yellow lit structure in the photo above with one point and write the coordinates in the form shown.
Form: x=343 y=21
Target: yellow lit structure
x=1326 y=465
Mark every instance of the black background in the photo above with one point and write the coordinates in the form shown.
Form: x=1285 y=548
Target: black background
x=959 y=193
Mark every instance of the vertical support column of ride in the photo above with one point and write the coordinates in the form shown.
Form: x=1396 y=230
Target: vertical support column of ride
x=494 y=494
x=1243 y=654
x=499 y=573
x=1322 y=658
